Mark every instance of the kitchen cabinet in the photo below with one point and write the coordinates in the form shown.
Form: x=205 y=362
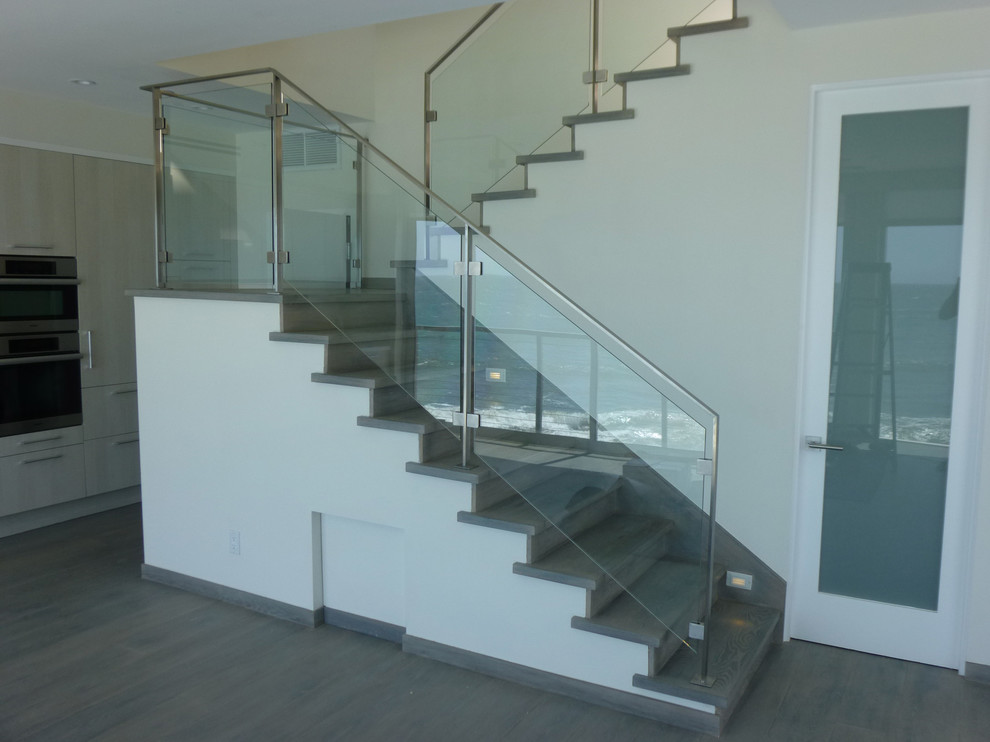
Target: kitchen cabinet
x=115 y=238
x=110 y=430
x=37 y=212
x=41 y=469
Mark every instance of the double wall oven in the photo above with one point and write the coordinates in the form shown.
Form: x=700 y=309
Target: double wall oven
x=40 y=385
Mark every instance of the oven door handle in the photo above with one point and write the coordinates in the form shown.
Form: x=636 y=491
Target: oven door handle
x=25 y=360
x=46 y=281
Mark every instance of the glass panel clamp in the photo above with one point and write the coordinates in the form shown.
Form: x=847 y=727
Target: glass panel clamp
x=281 y=257
x=467 y=269
x=469 y=420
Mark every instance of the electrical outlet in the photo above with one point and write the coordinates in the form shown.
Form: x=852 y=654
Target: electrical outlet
x=234 y=543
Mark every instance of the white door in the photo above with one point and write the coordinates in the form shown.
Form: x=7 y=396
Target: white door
x=891 y=390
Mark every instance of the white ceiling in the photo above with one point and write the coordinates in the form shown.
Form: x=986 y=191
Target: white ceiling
x=46 y=43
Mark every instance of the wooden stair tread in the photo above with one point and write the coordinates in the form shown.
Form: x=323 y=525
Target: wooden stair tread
x=695 y=29
x=551 y=501
x=654 y=73
x=665 y=598
x=415 y=420
x=334 y=336
x=741 y=635
x=596 y=118
x=602 y=551
x=550 y=157
x=503 y=195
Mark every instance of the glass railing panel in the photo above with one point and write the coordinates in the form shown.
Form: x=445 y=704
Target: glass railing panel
x=217 y=164
x=505 y=92
x=320 y=187
x=616 y=462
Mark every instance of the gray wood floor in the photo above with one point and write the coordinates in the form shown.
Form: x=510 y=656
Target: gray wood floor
x=89 y=651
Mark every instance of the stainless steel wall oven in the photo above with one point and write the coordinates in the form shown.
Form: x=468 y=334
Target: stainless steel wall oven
x=40 y=385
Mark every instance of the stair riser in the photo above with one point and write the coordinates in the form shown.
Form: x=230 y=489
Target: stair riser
x=437 y=444
x=550 y=538
x=343 y=315
x=348 y=357
x=489 y=493
x=634 y=568
x=659 y=656
x=389 y=400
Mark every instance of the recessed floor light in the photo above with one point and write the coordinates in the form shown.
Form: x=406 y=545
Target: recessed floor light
x=83 y=82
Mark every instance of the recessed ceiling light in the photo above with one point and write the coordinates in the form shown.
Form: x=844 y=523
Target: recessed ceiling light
x=83 y=82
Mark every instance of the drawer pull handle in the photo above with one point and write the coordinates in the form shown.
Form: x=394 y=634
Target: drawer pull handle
x=124 y=443
x=115 y=392
x=40 y=440
x=32 y=247
x=38 y=460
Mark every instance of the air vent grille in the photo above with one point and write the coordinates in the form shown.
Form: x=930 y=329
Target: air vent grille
x=310 y=148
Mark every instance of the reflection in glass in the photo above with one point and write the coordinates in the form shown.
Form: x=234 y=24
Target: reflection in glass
x=899 y=244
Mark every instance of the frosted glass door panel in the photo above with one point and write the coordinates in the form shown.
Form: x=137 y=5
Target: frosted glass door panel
x=897 y=270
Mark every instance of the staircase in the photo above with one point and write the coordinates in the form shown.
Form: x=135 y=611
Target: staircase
x=598 y=516
x=621 y=113
x=580 y=501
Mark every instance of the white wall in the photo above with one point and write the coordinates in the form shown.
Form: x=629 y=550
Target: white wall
x=68 y=126
x=235 y=436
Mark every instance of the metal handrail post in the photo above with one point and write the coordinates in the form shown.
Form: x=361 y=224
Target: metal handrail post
x=468 y=419
x=596 y=54
x=161 y=254
x=278 y=232
x=704 y=677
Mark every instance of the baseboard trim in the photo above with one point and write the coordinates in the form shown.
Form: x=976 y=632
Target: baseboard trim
x=977 y=673
x=617 y=700
x=363 y=625
x=256 y=603
x=49 y=516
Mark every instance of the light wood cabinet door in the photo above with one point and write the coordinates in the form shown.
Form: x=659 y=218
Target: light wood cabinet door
x=36 y=480
x=115 y=234
x=37 y=213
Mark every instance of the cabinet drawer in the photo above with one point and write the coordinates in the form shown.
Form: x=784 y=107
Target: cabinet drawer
x=35 y=480
x=19 y=445
x=112 y=463
x=109 y=410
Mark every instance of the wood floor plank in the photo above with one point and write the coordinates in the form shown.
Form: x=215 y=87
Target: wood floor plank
x=89 y=651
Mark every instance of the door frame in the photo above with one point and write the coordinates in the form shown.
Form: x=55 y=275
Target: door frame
x=969 y=396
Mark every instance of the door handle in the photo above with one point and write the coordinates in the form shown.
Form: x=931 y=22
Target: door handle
x=813 y=441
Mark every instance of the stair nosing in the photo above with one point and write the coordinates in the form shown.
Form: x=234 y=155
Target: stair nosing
x=654 y=73
x=503 y=195
x=587 y=624
x=529 y=570
x=394 y=422
x=594 y=118
x=352 y=378
x=696 y=29
x=477 y=519
x=533 y=159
